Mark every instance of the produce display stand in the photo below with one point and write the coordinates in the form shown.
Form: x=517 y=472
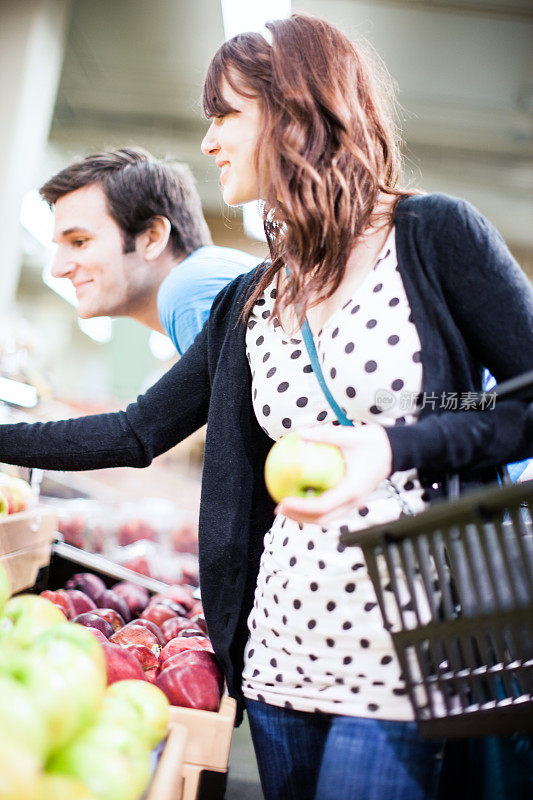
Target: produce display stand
x=199 y=742
x=207 y=749
x=25 y=545
x=167 y=783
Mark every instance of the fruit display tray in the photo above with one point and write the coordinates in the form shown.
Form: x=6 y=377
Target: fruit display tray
x=25 y=545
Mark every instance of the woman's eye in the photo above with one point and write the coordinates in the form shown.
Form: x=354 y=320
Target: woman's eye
x=79 y=242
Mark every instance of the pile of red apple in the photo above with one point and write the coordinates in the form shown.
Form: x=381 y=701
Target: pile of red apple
x=162 y=639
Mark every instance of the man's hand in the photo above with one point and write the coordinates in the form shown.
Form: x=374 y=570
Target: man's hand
x=368 y=458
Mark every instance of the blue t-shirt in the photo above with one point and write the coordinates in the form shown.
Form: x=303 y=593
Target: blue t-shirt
x=186 y=295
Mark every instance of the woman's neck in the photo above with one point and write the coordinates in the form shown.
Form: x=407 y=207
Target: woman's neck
x=361 y=260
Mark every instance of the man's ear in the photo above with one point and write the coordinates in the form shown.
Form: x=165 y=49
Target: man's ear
x=154 y=239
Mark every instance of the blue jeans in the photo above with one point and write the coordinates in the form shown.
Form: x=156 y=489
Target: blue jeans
x=304 y=756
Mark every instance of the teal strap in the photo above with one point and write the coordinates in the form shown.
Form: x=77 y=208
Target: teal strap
x=313 y=357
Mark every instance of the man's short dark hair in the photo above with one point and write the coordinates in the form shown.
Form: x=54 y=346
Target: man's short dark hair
x=139 y=187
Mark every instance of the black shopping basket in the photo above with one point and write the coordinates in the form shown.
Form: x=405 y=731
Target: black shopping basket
x=455 y=589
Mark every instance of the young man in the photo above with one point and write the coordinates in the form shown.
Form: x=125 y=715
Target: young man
x=132 y=239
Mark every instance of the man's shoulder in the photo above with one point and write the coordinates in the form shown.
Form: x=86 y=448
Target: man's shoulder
x=216 y=257
x=207 y=269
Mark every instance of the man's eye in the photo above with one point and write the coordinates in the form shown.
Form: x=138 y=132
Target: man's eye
x=78 y=242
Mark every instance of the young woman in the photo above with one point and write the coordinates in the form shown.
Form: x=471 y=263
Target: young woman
x=407 y=297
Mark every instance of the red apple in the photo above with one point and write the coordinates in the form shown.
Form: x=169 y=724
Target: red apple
x=158 y=613
x=201 y=657
x=156 y=630
x=188 y=632
x=197 y=608
x=151 y=674
x=148 y=657
x=81 y=602
x=191 y=686
x=171 y=627
x=99 y=635
x=60 y=599
x=88 y=583
x=139 y=564
x=90 y=620
x=178 y=608
x=133 y=633
x=136 y=597
x=199 y=619
x=179 y=594
x=184 y=643
x=121 y=664
x=112 y=616
x=110 y=599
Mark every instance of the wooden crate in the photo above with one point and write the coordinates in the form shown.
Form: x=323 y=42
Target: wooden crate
x=25 y=545
x=203 y=783
x=27 y=529
x=167 y=783
x=208 y=733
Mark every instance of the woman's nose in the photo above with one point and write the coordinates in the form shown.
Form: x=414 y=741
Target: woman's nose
x=209 y=144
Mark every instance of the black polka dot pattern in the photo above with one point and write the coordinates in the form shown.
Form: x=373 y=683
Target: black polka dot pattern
x=316 y=638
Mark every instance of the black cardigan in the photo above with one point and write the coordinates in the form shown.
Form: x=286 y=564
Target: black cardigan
x=471 y=305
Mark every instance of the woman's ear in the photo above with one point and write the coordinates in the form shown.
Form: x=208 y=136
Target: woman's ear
x=154 y=239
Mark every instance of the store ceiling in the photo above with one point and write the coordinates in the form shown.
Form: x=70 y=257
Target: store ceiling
x=133 y=73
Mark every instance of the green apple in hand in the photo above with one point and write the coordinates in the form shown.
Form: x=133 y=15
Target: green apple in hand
x=296 y=468
x=142 y=703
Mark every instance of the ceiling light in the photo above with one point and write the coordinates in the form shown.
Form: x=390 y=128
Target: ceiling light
x=240 y=16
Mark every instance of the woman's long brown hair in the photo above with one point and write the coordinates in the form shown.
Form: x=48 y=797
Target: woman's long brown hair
x=328 y=147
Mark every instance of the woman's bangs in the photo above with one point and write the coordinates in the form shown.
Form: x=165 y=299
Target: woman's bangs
x=213 y=100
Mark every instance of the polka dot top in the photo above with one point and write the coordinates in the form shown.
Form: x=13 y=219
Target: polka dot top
x=316 y=638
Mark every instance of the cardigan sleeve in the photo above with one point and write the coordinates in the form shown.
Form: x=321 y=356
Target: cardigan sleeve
x=167 y=413
x=491 y=302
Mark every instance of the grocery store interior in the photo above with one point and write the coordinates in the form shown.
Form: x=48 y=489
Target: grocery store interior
x=78 y=77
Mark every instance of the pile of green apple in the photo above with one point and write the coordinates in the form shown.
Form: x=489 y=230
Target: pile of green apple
x=64 y=733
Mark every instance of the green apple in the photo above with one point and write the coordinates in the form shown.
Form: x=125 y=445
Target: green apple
x=102 y=766
x=140 y=704
x=55 y=696
x=19 y=773
x=5 y=591
x=20 y=721
x=79 y=662
x=53 y=786
x=27 y=615
x=297 y=468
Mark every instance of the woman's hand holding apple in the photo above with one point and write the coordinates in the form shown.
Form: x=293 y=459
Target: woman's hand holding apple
x=368 y=461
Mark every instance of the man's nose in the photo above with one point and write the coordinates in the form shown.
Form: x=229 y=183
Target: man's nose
x=209 y=144
x=62 y=266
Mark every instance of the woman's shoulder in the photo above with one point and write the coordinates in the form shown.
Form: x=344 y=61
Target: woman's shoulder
x=441 y=220
x=433 y=207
